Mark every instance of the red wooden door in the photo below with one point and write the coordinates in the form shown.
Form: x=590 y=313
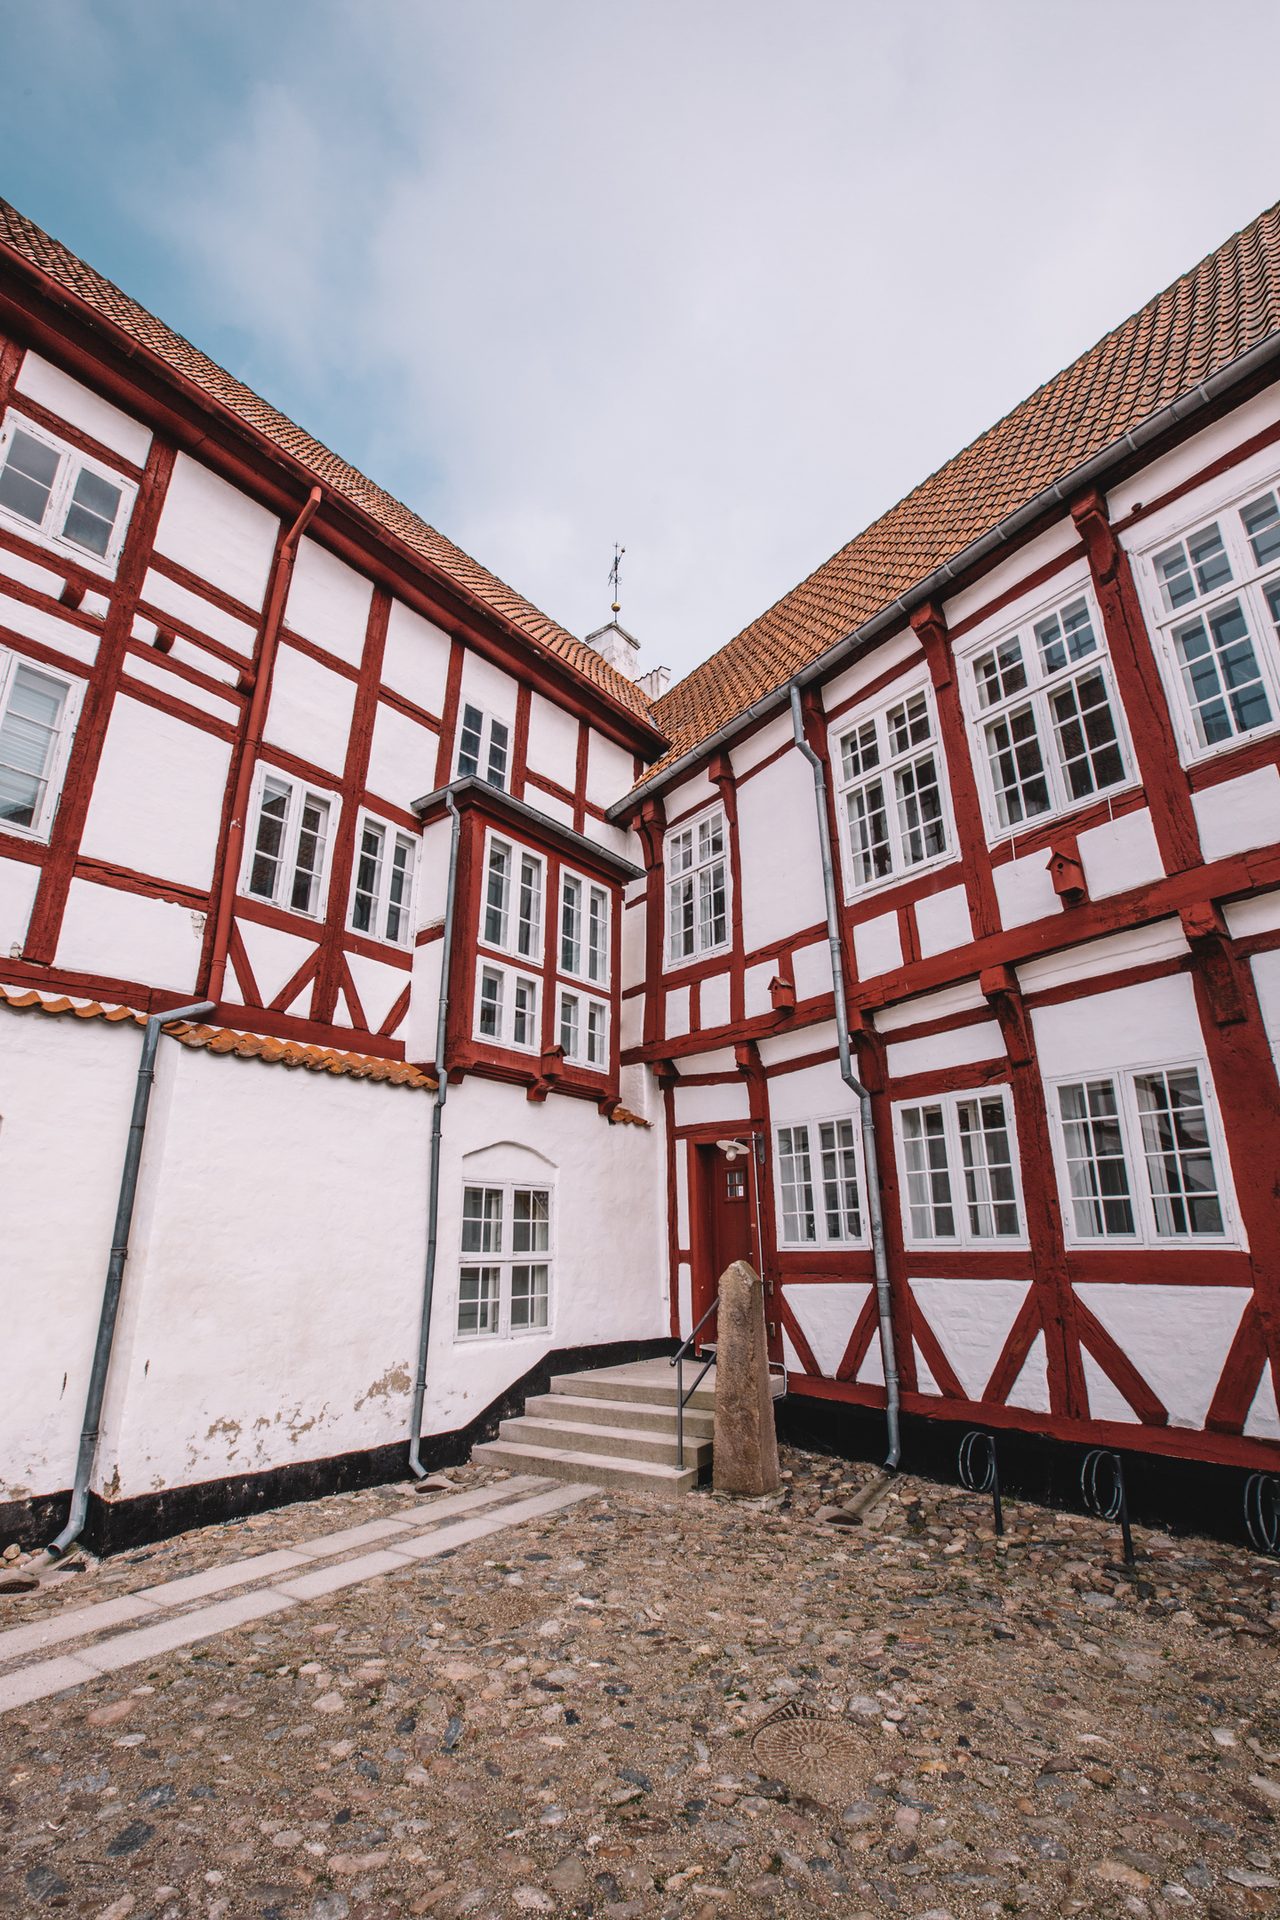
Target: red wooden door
x=727 y=1182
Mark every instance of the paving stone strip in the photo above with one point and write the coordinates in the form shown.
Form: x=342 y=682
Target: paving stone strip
x=27 y=1683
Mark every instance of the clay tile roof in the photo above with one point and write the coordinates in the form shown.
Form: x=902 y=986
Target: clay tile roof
x=1213 y=314
x=245 y=1046
x=105 y=300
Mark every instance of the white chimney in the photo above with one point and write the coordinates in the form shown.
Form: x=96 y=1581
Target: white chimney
x=622 y=651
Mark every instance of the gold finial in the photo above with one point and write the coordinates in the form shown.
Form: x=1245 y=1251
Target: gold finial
x=615 y=577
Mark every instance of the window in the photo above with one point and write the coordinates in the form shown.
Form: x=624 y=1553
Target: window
x=289 y=851
x=584 y=929
x=1216 y=592
x=1139 y=1157
x=959 y=1177
x=584 y=1031
x=820 y=1201
x=511 y=911
x=504 y=1283
x=482 y=747
x=68 y=498
x=1047 y=715
x=891 y=779
x=34 y=729
x=697 y=863
x=383 y=884
x=506 y=1009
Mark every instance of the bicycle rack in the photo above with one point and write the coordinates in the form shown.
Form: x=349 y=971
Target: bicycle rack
x=1262 y=1511
x=979 y=1471
x=1102 y=1484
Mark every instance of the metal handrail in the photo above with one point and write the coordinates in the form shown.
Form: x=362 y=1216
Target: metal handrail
x=677 y=1361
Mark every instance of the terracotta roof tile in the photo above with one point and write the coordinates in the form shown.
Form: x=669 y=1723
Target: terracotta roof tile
x=105 y=300
x=245 y=1046
x=1212 y=315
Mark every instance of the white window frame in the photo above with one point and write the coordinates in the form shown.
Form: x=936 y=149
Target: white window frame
x=71 y=464
x=822 y=1237
x=393 y=838
x=890 y=764
x=693 y=873
x=513 y=920
x=1142 y=1202
x=504 y=1259
x=484 y=767
x=11 y=665
x=963 y=1234
x=1040 y=685
x=590 y=893
x=511 y=979
x=300 y=791
x=1248 y=586
x=592 y=1016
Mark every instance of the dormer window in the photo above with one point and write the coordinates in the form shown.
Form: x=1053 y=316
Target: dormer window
x=483 y=747
x=60 y=494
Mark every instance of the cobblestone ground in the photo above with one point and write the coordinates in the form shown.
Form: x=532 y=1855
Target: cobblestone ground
x=563 y=1718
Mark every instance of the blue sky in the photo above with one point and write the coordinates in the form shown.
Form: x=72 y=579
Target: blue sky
x=719 y=279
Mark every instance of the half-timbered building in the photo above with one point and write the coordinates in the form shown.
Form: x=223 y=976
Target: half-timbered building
x=923 y=944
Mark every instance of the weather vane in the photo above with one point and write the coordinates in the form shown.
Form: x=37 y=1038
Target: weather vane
x=615 y=576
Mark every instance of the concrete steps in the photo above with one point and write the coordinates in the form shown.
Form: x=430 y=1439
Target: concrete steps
x=615 y=1426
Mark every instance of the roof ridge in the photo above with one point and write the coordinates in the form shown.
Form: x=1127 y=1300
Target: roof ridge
x=114 y=306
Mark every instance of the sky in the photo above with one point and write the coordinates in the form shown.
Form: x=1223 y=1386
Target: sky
x=717 y=280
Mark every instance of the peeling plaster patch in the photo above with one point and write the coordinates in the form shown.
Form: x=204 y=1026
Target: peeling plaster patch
x=394 y=1380
x=231 y=1428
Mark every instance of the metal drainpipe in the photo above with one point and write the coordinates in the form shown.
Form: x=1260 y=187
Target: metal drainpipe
x=115 y=1268
x=433 y=1177
x=875 y=1212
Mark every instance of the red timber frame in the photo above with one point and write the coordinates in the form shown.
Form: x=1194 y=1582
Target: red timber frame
x=36 y=315
x=483 y=808
x=1192 y=892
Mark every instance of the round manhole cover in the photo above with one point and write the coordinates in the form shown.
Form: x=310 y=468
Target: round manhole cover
x=822 y=1758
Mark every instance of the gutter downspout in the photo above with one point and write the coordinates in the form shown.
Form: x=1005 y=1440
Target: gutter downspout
x=254 y=726
x=875 y=1211
x=115 y=1269
x=416 y=1467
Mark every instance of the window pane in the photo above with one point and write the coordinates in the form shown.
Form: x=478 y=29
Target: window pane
x=469 y=739
x=495 y=897
x=1262 y=524
x=28 y=742
x=990 y=1192
x=712 y=907
x=498 y=737
x=265 y=868
x=571 y=925
x=1085 y=728
x=364 y=907
x=569 y=1025
x=1000 y=674
x=524 y=1019
x=1066 y=636
x=1096 y=1170
x=909 y=725
x=491 y=1003
x=1221 y=676
x=398 y=891
x=531 y=1220
x=860 y=750
x=1175 y=1139
x=91 y=516
x=795 y=1177
x=870 y=854
x=478 y=1292
x=597 y=1034
x=1017 y=767
x=529 y=930
x=840 y=1180
x=920 y=826
x=598 y=935
x=310 y=855
x=27 y=478
x=482 y=1219
x=529 y=1291
x=1195 y=566
x=928 y=1177
x=680 y=918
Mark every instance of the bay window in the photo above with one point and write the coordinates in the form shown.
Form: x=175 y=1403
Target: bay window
x=504 y=1280
x=1047 y=717
x=959 y=1175
x=584 y=929
x=511 y=910
x=507 y=1007
x=289 y=847
x=1140 y=1157
x=584 y=1031
x=891 y=781
x=696 y=858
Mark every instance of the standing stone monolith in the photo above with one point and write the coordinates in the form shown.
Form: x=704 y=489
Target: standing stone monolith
x=746 y=1441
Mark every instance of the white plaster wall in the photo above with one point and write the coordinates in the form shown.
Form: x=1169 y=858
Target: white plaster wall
x=553 y=743
x=1161 y=940
x=610 y=770
x=898 y=651
x=713 y=1001
x=1260 y=913
x=1266 y=979
x=1120 y=854
x=66 y=1089
x=877 y=945
x=1050 y=545
x=1238 y=814
x=695 y=792
x=959 y=1048
x=756 y=997
x=972 y=1320
x=157 y=800
x=635 y=922
x=827 y=1314
x=419 y=1031
x=378 y=985
x=1177 y=1337
x=1024 y=890
x=942 y=921
x=811 y=967
x=17 y=567
x=758 y=746
x=777 y=1048
x=275 y=957
x=677 y=1012
x=1189 y=458
x=778 y=842
x=34 y=623
x=809 y=1093
x=487 y=686
x=41 y=381
x=402 y=757
x=194 y=610
x=1151 y=1023
x=557 y=810
x=710 y=1106
x=328 y=601
x=129 y=936
x=631 y=1029
x=18 y=882
x=155 y=671
x=214 y=530
x=416 y=659
x=310 y=710
x=964 y=997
